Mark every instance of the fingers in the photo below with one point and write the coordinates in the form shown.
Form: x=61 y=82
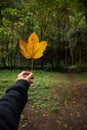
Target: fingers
x=29 y=77
x=26 y=76
x=24 y=73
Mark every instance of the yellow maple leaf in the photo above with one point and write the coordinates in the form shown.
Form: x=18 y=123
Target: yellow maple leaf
x=33 y=49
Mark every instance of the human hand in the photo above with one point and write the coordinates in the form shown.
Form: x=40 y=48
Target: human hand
x=28 y=76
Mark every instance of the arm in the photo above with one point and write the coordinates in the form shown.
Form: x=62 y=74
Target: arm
x=13 y=102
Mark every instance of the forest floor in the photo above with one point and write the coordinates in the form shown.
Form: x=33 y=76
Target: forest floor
x=72 y=114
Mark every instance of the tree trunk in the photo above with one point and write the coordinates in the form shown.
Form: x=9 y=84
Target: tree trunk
x=85 y=11
x=71 y=52
x=80 y=56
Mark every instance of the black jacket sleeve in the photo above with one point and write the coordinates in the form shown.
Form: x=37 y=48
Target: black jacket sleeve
x=12 y=104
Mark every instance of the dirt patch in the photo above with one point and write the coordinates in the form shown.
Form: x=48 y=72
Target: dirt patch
x=72 y=100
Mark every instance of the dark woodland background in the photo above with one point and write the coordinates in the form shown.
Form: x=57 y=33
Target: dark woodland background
x=63 y=23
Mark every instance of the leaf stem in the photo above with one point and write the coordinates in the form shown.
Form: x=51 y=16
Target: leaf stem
x=32 y=64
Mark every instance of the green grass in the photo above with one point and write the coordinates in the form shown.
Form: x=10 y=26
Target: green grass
x=81 y=77
x=42 y=93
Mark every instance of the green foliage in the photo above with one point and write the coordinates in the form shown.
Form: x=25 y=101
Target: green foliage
x=62 y=23
x=9 y=12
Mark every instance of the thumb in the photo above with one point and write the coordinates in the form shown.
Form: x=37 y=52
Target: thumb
x=30 y=76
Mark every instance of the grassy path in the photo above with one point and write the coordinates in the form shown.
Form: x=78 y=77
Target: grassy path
x=72 y=105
